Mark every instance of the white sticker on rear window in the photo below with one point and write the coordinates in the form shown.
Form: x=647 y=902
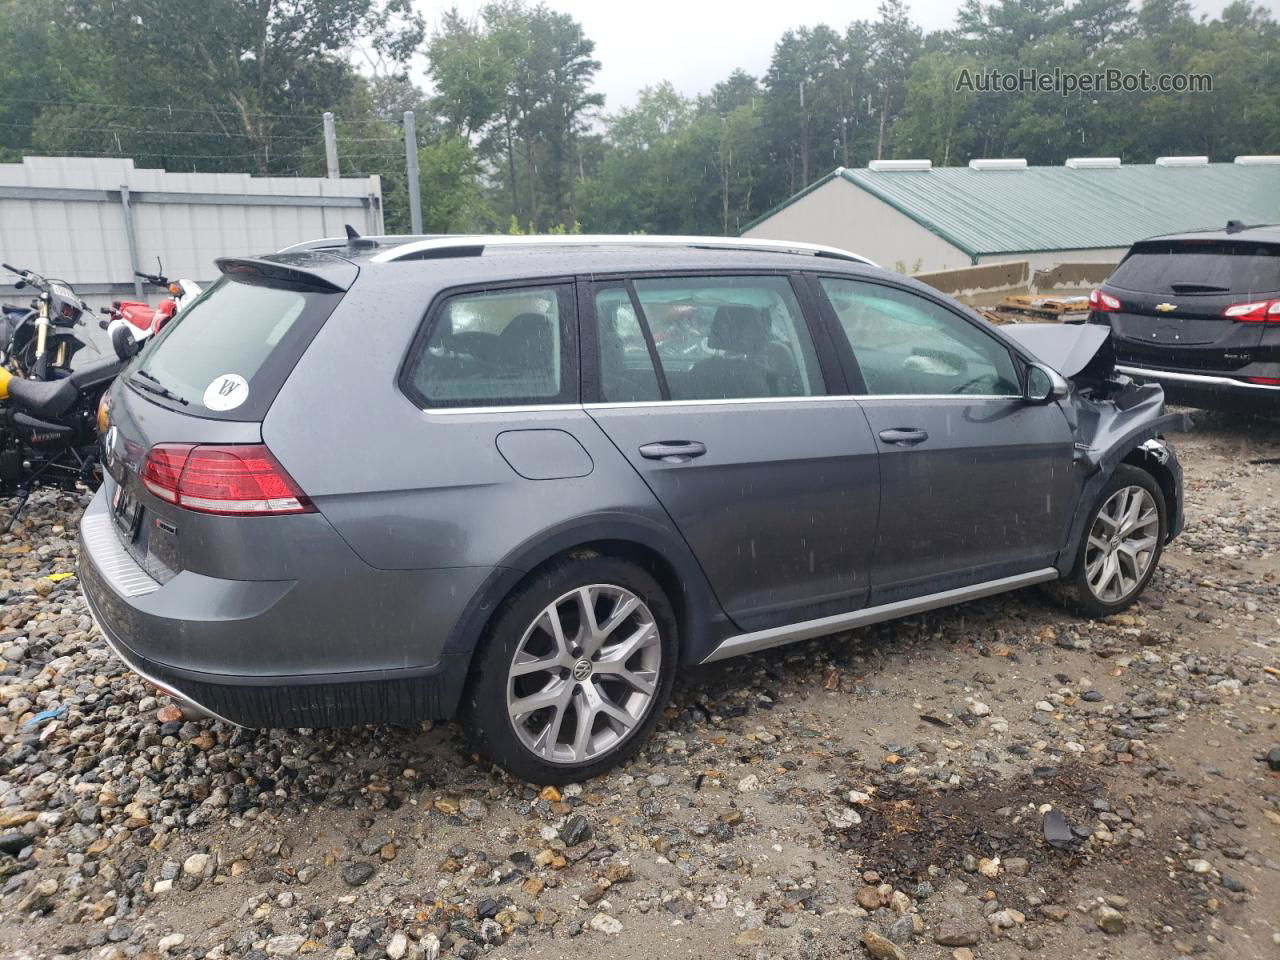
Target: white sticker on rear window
x=226 y=392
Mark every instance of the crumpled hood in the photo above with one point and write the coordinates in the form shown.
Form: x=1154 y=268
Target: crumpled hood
x=1066 y=347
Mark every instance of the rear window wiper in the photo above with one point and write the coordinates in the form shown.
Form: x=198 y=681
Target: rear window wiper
x=156 y=387
x=1192 y=287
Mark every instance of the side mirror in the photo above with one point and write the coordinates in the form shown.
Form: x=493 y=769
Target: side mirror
x=1044 y=385
x=124 y=342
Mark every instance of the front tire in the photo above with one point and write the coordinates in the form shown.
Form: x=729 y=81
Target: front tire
x=574 y=671
x=1121 y=547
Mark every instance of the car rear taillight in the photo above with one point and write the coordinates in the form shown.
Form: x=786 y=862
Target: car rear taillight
x=1259 y=311
x=231 y=479
x=1264 y=381
x=1103 y=302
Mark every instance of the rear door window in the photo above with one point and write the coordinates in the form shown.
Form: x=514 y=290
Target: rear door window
x=509 y=347
x=227 y=355
x=1191 y=267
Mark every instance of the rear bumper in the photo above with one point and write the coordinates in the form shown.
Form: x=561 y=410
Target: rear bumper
x=176 y=635
x=1199 y=389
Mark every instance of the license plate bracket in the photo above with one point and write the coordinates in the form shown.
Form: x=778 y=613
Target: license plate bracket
x=126 y=510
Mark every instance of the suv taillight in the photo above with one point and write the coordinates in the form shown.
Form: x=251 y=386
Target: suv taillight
x=1259 y=311
x=232 y=479
x=1103 y=302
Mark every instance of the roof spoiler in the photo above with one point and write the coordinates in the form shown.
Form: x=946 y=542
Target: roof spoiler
x=252 y=269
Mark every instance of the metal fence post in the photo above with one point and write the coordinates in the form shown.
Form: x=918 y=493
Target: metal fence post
x=131 y=234
x=411 y=172
x=330 y=147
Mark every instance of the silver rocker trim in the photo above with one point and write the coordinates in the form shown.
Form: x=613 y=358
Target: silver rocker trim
x=808 y=629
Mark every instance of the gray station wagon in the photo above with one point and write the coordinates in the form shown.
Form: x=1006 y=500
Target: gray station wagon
x=523 y=481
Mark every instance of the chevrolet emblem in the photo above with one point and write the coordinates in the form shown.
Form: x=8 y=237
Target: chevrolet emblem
x=1166 y=307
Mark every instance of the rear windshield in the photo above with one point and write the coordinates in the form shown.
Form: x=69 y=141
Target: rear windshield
x=227 y=355
x=1191 y=267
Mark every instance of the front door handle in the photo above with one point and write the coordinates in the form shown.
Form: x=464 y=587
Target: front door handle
x=673 y=451
x=904 y=436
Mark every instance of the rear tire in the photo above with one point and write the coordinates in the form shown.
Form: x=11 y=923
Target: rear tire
x=559 y=694
x=1121 y=546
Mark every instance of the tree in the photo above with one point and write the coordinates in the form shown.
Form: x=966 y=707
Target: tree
x=261 y=73
x=895 y=45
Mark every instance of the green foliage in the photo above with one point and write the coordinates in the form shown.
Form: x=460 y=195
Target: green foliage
x=513 y=136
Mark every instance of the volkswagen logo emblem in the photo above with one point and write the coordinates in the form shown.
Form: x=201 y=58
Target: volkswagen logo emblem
x=582 y=669
x=109 y=444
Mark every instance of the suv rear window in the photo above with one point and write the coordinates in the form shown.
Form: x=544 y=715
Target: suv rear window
x=1189 y=267
x=227 y=355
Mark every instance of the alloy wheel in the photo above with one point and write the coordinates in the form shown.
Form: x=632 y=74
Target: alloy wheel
x=1122 y=544
x=585 y=674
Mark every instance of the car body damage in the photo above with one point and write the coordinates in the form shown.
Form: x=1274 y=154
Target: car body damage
x=1115 y=419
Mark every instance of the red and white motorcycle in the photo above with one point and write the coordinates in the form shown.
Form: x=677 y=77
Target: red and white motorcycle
x=140 y=320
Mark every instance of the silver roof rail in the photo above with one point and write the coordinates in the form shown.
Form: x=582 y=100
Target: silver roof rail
x=429 y=247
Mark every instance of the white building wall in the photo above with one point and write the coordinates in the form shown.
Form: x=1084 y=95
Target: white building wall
x=843 y=215
x=85 y=241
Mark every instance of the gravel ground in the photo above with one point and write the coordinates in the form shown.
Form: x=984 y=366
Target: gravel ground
x=886 y=793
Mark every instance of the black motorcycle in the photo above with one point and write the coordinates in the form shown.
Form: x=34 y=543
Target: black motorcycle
x=48 y=423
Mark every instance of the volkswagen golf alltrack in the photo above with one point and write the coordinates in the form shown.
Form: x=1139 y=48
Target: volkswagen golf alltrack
x=523 y=481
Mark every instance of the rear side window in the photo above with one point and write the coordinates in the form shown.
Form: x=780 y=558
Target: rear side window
x=715 y=338
x=510 y=347
x=1190 y=267
x=227 y=355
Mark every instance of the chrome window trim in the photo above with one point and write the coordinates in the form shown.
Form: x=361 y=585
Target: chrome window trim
x=731 y=401
x=1154 y=374
x=809 y=629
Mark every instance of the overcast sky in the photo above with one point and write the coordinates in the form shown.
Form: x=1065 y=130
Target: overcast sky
x=696 y=43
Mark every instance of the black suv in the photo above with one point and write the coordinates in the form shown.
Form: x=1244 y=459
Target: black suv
x=1200 y=313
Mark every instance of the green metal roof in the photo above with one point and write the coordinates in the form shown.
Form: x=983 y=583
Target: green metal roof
x=1059 y=208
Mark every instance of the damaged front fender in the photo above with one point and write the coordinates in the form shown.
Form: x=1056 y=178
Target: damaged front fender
x=1114 y=419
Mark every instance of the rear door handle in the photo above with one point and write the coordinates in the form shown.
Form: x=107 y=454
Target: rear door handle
x=904 y=436
x=673 y=451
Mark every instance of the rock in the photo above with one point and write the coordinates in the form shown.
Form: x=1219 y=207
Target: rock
x=901 y=930
x=1199 y=866
x=749 y=783
x=575 y=830
x=1054 y=912
x=881 y=948
x=980 y=709
x=868 y=898
x=357 y=874
x=989 y=867
x=606 y=924
x=1110 y=920
x=198 y=865
x=171 y=943
x=1273 y=758
x=1016 y=866
x=842 y=818
x=398 y=946
x=956 y=933
x=961 y=953
x=285 y=945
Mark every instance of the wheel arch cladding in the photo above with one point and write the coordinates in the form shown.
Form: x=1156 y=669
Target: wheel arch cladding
x=663 y=555
x=1132 y=453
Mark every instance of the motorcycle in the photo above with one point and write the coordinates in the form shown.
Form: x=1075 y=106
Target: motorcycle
x=140 y=319
x=40 y=341
x=48 y=421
